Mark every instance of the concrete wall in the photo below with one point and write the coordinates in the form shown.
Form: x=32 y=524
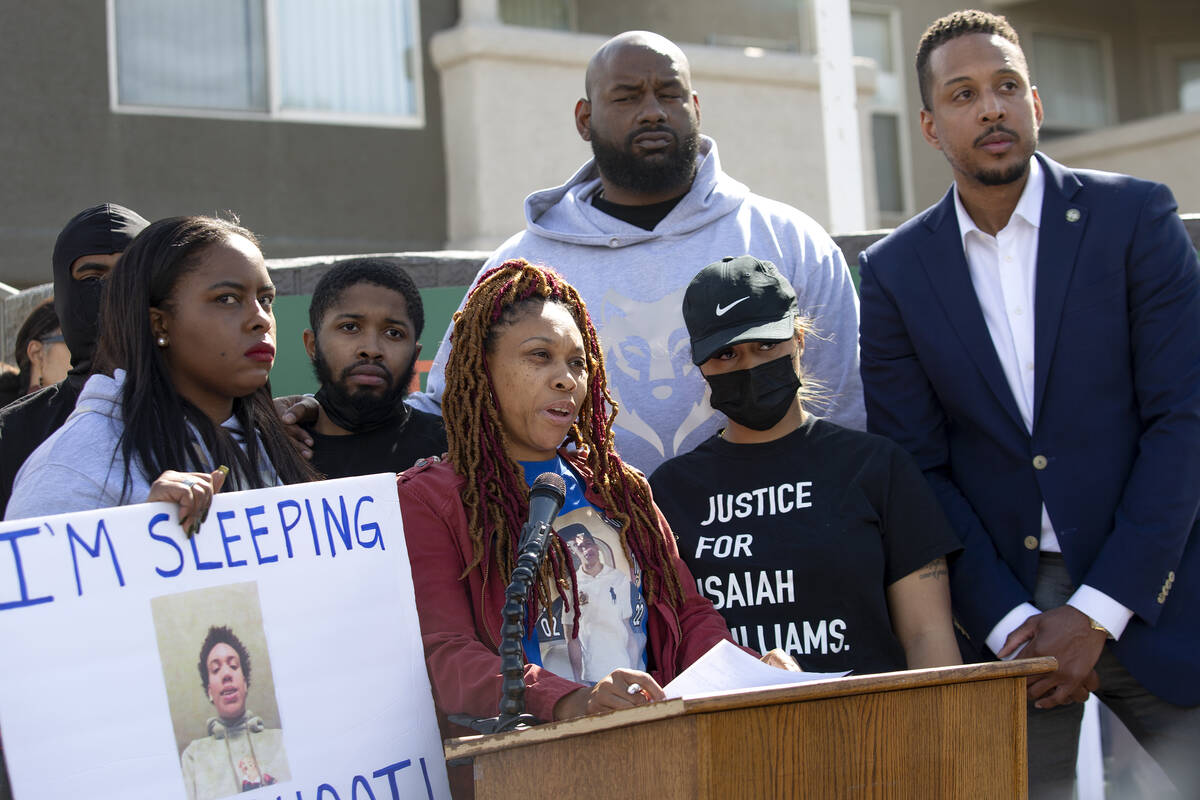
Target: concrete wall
x=1165 y=149
x=783 y=21
x=510 y=94
x=304 y=188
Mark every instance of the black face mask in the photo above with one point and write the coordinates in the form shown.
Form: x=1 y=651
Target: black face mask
x=78 y=316
x=756 y=398
x=359 y=412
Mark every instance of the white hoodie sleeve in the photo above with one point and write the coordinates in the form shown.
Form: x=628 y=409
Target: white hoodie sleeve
x=825 y=291
x=430 y=400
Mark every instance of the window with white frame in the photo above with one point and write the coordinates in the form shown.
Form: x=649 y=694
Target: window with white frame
x=1072 y=75
x=552 y=14
x=306 y=60
x=874 y=32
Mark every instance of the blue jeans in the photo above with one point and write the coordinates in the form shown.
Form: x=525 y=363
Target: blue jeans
x=1169 y=733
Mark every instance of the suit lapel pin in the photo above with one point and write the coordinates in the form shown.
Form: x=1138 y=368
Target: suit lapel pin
x=1072 y=215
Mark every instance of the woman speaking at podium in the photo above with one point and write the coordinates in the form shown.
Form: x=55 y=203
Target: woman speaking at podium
x=614 y=612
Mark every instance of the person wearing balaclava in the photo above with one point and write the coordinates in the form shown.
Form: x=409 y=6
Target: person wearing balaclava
x=87 y=248
x=838 y=525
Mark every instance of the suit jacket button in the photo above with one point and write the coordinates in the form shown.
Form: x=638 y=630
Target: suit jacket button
x=1162 y=598
x=1171 y=576
x=1039 y=462
x=1031 y=543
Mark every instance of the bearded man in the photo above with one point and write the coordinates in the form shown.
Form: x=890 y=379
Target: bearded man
x=633 y=225
x=366 y=317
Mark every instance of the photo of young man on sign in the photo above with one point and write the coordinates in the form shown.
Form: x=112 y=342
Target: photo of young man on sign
x=235 y=749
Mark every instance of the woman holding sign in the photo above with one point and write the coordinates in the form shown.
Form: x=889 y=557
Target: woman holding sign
x=178 y=406
x=525 y=377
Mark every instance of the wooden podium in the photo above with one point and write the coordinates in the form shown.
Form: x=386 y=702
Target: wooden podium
x=949 y=732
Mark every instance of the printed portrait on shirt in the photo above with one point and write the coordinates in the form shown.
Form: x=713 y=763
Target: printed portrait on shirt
x=612 y=624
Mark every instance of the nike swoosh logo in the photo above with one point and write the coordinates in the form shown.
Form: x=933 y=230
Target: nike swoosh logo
x=721 y=310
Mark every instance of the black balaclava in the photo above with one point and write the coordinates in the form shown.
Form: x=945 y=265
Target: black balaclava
x=99 y=230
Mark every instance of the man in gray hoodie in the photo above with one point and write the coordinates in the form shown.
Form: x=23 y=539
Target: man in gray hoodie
x=634 y=224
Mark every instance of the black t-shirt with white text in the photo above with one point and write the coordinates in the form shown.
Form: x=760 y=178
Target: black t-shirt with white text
x=795 y=541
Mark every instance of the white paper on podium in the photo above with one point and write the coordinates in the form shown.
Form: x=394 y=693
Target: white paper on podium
x=726 y=667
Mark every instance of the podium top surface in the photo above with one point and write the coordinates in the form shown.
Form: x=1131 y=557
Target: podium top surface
x=471 y=746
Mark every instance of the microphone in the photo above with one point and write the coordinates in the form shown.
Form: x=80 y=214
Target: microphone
x=546 y=499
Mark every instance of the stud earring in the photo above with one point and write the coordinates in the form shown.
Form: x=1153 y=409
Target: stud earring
x=162 y=341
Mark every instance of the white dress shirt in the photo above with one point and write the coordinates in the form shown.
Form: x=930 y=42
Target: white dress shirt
x=1003 y=270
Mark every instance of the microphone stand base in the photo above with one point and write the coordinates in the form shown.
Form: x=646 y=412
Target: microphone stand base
x=500 y=724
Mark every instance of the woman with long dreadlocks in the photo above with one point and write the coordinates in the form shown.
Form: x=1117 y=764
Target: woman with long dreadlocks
x=617 y=613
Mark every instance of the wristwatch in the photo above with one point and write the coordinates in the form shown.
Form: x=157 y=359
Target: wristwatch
x=1096 y=626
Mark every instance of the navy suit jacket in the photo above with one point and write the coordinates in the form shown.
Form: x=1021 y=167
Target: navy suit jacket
x=1115 y=449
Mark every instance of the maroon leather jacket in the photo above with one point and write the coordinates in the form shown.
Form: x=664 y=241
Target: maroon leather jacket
x=460 y=619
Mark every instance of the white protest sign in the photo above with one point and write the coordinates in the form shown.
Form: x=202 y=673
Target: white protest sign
x=106 y=618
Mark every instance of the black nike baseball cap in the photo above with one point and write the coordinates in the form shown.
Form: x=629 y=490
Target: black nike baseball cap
x=737 y=300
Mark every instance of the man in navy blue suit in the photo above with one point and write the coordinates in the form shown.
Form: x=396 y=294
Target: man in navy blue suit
x=1034 y=341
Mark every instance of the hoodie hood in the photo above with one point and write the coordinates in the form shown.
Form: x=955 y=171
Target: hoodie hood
x=248 y=723
x=102 y=395
x=566 y=214
x=235 y=757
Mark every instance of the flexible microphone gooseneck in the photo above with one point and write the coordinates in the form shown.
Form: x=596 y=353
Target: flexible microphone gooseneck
x=546 y=499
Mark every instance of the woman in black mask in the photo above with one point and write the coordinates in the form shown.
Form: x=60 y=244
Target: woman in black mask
x=820 y=540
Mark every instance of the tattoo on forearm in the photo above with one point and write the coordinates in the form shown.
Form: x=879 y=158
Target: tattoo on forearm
x=935 y=570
